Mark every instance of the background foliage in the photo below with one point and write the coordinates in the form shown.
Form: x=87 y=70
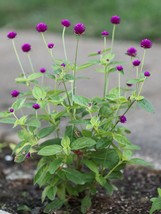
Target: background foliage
x=140 y=18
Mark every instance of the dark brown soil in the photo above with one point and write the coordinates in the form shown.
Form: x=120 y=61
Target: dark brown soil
x=133 y=195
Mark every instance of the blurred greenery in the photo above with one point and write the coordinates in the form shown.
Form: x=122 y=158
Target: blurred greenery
x=139 y=18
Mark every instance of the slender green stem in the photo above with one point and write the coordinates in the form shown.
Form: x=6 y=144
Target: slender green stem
x=119 y=83
x=63 y=39
x=122 y=114
x=66 y=91
x=112 y=169
x=142 y=61
x=44 y=40
x=105 y=43
x=18 y=58
x=141 y=87
x=106 y=81
x=75 y=67
x=113 y=36
x=32 y=67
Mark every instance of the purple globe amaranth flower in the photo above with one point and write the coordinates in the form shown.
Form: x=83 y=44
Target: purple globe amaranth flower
x=36 y=106
x=136 y=62
x=15 y=93
x=41 y=27
x=131 y=52
x=26 y=47
x=115 y=20
x=147 y=74
x=119 y=68
x=65 y=23
x=11 y=35
x=63 y=64
x=129 y=84
x=79 y=28
x=105 y=33
x=50 y=45
x=146 y=43
x=99 y=52
x=28 y=155
x=42 y=70
x=123 y=119
x=11 y=110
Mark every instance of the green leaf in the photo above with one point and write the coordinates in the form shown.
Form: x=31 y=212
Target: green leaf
x=86 y=65
x=46 y=131
x=21 y=121
x=82 y=101
x=146 y=105
x=8 y=120
x=138 y=161
x=83 y=122
x=107 y=158
x=86 y=204
x=19 y=103
x=91 y=165
x=104 y=183
x=34 y=76
x=121 y=139
x=82 y=142
x=39 y=93
x=50 y=192
x=156 y=205
x=50 y=150
x=133 y=81
x=33 y=122
x=53 y=206
x=54 y=165
x=65 y=142
x=75 y=176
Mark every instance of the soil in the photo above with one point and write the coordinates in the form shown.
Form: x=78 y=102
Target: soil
x=20 y=196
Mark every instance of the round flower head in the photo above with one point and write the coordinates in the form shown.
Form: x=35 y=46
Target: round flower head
x=41 y=27
x=50 y=45
x=105 y=33
x=79 y=28
x=15 y=93
x=123 y=119
x=63 y=64
x=146 y=43
x=147 y=74
x=131 y=52
x=11 y=35
x=28 y=155
x=65 y=23
x=42 y=70
x=26 y=47
x=11 y=110
x=136 y=62
x=36 y=106
x=129 y=84
x=99 y=52
x=115 y=20
x=119 y=68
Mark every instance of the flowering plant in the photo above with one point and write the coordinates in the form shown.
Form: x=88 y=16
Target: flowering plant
x=93 y=147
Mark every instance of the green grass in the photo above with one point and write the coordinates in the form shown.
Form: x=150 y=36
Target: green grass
x=139 y=18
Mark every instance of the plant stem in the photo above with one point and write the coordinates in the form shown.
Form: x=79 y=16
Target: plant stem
x=105 y=43
x=113 y=36
x=75 y=67
x=123 y=114
x=106 y=81
x=119 y=83
x=66 y=91
x=63 y=39
x=32 y=67
x=18 y=58
x=44 y=40
x=142 y=62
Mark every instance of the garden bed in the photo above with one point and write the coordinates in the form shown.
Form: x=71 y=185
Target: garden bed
x=19 y=195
